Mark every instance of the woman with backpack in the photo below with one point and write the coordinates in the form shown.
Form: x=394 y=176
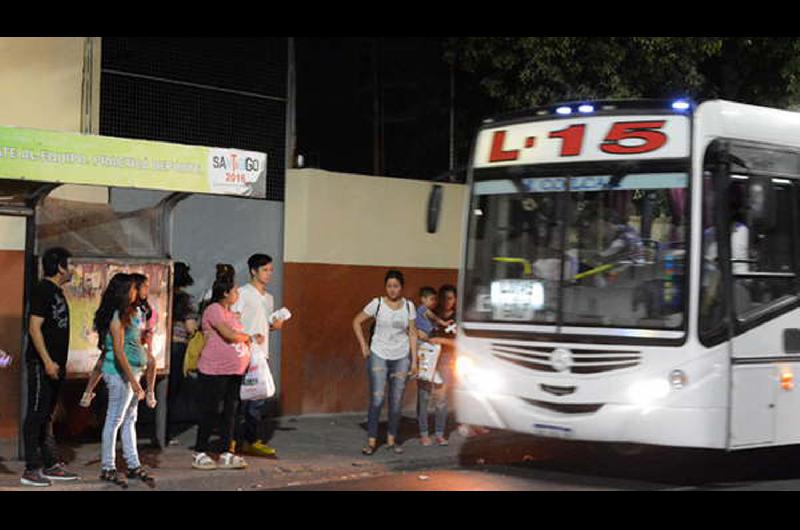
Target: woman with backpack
x=391 y=355
x=196 y=343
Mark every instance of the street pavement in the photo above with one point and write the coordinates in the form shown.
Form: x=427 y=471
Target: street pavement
x=323 y=454
x=311 y=450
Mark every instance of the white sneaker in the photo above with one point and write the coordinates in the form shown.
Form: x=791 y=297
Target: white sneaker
x=231 y=461
x=203 y=461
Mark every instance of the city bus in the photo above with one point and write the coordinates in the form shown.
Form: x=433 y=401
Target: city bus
x=630 y=275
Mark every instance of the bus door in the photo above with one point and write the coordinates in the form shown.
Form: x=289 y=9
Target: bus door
x=761 y=222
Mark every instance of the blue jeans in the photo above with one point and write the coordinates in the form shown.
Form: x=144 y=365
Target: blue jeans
x=426 y=390
x=253 y=413
x=380 y=371
x=122 y=410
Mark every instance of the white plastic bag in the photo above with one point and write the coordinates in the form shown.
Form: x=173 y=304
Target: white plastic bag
x=428 y=359
x=257 y=382
x=282 y=314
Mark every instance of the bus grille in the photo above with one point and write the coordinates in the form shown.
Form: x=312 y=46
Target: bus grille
x=583 y=361
x=566 y=408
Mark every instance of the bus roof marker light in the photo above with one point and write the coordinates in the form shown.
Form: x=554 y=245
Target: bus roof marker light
x=586 y=109
x=564 y=111
x=680 y=104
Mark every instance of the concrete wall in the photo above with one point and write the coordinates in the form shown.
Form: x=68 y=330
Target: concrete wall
x=343 y=232
x=42 y=88
x=12 y=266
x=42 y=82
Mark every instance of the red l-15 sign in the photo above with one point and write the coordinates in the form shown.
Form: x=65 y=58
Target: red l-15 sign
x=581 y=139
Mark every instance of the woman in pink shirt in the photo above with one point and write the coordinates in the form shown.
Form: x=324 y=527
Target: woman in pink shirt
x=223 y=362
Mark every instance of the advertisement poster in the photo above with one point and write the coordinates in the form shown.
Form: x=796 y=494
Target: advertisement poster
x=83 y=296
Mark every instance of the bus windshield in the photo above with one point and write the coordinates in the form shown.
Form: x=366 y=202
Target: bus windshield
x=597 y=249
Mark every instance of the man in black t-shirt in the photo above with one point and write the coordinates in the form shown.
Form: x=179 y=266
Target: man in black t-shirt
x=46 y=360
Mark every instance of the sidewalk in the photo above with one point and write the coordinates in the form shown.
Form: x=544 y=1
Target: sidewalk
x=310 y=450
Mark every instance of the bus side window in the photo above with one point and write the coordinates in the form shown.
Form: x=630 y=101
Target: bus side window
x=762 y=256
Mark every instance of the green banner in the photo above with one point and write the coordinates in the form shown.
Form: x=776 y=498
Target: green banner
x=71 y=158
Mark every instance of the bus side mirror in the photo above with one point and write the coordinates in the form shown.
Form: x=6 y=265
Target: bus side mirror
x=761 y=203
x=434 y=208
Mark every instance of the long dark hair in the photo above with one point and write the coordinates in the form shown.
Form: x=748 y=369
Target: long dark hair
x=181 y=277
x=116 y=298
x=221 y=287
x=225 y=271
x=142 y=303
x=443 y=290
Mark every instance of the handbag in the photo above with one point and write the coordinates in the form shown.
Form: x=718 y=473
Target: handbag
x=257 y=383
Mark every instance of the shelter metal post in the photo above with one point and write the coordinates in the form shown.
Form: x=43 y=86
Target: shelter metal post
x=167 y=206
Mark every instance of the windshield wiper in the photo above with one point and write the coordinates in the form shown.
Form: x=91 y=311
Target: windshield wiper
x=618 y=175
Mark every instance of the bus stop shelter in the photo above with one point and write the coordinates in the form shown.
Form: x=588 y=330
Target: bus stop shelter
x=33 y=163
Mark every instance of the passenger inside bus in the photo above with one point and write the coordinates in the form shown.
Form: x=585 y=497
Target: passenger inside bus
x=758 y=245
x=740 y=258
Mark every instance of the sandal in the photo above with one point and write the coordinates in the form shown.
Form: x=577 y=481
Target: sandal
x=203 y=461
x=395 y=448
x=231 y=461
x=111 y=475
x=369 y=450
x=142 y=474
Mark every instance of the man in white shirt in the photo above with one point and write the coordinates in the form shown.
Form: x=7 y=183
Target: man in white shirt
x=255 y=305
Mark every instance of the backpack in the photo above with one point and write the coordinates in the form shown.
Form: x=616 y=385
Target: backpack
x=375 y=318
x=193 y=350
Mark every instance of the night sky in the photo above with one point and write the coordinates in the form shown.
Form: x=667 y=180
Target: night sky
x=336 y=97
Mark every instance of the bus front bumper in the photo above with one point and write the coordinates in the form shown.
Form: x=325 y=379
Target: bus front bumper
x=611 y=422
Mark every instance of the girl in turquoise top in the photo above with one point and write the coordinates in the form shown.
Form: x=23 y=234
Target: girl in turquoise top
x=134 y=357
x=116 y=321
x=132 y=344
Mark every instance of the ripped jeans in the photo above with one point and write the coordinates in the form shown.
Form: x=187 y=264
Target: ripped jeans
x=121 y=415
x=380 y=371
x=426 y=392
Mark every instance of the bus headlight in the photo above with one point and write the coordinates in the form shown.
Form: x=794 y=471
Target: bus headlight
x=643 y=393
x=484 y=381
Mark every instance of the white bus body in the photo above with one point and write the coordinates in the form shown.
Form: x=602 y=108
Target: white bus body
x=556 y=342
